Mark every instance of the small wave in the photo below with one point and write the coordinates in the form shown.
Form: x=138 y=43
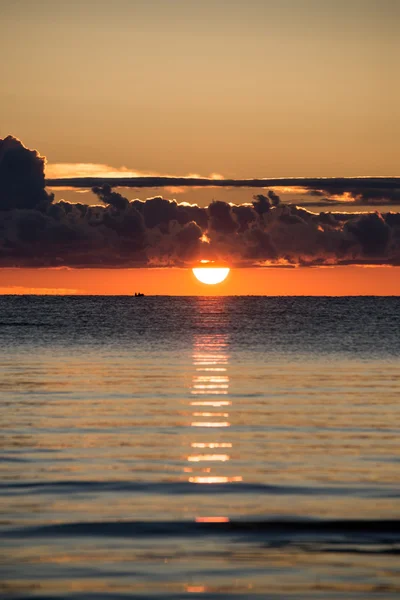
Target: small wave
x=24 y=324
x=190 y=488
x=272 y=531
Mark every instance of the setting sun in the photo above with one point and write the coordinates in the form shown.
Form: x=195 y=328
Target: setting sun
x=211 y=275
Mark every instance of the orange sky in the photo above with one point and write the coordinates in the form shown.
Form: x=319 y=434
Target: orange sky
x=246 y=89
x=262 y=88
x=334 y=281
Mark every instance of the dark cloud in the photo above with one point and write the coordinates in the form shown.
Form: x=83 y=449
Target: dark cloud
x=372 y=232
x=373 y=196
x=244 y=215
x=221 y=218
x=322 y=185
x=106 y=195
x=35 y=231
x=274 y=198
x=386 y=191
x=261 y=204
x=22 y=183
x=362 y=190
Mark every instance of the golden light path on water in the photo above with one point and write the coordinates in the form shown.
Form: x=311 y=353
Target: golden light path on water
x=211 y=447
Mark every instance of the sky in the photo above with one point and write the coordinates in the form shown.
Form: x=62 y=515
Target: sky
x=327 y=281
x=288 y=88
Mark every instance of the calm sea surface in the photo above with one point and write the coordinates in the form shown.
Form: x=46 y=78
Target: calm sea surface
x=199 y=447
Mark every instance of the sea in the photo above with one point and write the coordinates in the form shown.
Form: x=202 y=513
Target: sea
x=199 y=447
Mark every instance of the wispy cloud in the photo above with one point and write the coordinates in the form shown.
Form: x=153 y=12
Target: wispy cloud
x=330 y=185
x=354 y=190
x=79 y=170
x=98 y=170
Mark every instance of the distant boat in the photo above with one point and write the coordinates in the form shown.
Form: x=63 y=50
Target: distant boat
x=138 y=295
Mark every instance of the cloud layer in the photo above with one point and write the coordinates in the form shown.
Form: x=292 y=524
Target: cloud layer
x=362 y=189
x=36 y=231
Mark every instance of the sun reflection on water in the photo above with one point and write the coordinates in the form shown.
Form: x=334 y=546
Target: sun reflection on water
x=210 y=417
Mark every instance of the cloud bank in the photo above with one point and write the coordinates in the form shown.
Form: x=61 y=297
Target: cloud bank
x=36 y=231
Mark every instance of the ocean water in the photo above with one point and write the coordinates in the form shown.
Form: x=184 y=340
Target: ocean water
x=203 y=447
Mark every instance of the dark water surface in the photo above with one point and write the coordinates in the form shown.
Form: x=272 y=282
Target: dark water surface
x=199 y=447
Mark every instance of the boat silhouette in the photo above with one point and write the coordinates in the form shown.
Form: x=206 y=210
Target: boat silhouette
x=138 y=295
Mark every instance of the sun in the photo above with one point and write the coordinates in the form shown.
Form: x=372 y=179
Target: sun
x=211 y=275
